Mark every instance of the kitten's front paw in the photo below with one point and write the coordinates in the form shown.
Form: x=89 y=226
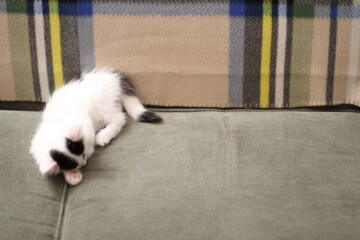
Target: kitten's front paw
x=73 y=177
x=102 y=138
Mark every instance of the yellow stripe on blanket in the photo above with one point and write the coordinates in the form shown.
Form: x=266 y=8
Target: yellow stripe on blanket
x=265 y=57
x=56 y=43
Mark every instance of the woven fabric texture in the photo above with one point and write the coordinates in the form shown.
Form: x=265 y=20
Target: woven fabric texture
x=256 y=54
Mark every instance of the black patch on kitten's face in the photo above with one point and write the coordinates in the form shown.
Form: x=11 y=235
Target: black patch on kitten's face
x=64 y=161
x=75 y=147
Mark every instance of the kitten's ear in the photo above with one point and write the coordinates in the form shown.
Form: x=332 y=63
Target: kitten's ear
x=74 y=132
x=49 y=167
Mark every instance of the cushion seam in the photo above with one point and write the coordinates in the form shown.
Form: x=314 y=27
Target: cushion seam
x=355 y=102
x=60 y=220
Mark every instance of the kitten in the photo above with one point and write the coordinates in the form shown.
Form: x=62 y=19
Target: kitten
x=81 y=114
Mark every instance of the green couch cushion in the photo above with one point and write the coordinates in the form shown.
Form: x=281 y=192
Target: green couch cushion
x=223 y=175
x=29 y=204
x=198 y=175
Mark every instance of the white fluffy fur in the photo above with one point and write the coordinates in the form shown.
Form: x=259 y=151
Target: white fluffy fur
x=90 y=110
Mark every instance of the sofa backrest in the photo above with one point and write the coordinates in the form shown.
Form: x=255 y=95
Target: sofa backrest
x=209 y=53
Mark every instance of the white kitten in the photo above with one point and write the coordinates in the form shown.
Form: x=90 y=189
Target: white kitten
x=80 y=114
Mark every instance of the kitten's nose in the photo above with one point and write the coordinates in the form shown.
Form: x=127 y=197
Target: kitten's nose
x=83 y=163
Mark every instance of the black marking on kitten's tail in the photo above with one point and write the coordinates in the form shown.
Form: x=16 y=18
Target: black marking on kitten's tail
x=150 y=117
x=126 y=86
x=128 y=90
x=64 y=161
x=75 y=147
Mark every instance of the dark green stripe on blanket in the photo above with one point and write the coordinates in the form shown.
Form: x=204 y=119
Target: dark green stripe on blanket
x=332 y=52
x=49 y=65
x=70 y=47
x=33 y=53
x=252 y=64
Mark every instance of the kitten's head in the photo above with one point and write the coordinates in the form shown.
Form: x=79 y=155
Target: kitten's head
x=59 y=147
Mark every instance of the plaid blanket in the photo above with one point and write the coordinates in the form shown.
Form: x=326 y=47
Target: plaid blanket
x=209 y=53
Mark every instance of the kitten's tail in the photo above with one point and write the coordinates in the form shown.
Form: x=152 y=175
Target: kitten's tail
x=132 y=103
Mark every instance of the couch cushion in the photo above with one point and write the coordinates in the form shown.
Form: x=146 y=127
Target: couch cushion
x=29 y=204
x=222 y=175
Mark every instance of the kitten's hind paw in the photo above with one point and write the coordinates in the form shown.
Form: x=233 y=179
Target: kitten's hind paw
x=73 y=177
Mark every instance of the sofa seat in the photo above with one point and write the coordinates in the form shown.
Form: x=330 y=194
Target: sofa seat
x=199 y=175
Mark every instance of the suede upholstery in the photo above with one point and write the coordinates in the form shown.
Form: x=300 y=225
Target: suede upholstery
x=198 y=175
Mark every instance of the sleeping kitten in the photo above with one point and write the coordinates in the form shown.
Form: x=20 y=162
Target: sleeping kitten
x=81 y=114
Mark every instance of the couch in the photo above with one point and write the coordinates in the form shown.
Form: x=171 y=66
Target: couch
x=241 y=154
